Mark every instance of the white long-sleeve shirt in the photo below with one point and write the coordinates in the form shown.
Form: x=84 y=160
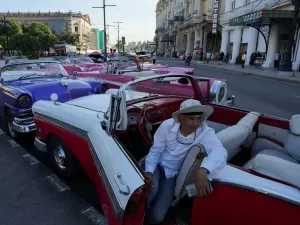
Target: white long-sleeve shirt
x=169 y=152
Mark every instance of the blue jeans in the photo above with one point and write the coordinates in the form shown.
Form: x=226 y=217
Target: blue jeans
x=160 y=196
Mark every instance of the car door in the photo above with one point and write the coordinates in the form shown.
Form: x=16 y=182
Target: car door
x=118 y=174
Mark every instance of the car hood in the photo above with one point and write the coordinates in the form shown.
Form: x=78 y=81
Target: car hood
x=100 y=103
x=65 y=88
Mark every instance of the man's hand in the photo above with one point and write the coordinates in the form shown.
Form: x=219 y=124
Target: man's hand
x=202 y=183
x=150 y=177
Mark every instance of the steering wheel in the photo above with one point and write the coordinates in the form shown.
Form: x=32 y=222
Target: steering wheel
x=144 y=125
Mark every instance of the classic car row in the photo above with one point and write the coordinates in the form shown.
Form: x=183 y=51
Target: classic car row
x=23 y=83
x=104 y=124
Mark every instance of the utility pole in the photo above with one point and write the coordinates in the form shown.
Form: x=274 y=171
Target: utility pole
x=118 y=27
x=287 y=61
x=104 y=17
x=6 y=33
x=108 y=26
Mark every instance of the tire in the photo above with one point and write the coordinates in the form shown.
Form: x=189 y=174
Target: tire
x=62 y=159
x=7 y=123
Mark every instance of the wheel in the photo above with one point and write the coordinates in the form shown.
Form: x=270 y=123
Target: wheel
x=8 y=125
x=62 y=159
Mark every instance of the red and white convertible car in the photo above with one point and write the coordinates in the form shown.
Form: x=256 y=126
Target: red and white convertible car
x=109 y=134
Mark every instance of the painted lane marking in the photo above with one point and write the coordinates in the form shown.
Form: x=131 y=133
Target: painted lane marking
x=32 y=160
x=94 y=215
x=1 y=132
x=13 y=143
x=296 y=96
x=58 y=183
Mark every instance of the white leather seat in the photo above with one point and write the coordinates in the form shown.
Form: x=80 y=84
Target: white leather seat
x=233 y=137
x=261 y=144
x=281 y=164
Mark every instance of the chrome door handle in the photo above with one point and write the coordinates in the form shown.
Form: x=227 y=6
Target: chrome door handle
x=124 y=189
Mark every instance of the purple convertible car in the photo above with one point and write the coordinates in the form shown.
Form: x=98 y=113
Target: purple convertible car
x=22 y=84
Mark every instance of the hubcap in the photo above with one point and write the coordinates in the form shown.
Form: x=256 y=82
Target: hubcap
x=60 y=157
x=10 y=126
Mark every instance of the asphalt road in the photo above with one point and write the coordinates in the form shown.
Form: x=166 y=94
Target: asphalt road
x=276 y=98
x=31 y=194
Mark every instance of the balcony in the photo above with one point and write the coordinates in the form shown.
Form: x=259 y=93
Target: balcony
x=160 y=29
x=245 y=9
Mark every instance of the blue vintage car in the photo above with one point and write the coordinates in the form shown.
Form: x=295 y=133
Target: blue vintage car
x=22 y=84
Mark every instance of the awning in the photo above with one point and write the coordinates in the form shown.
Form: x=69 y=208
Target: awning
x=167 y=39
x=262 y=17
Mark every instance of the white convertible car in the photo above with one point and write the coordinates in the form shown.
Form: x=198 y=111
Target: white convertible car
x=108 y=134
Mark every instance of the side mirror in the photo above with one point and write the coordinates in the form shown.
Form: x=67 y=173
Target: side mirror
x=74 y=74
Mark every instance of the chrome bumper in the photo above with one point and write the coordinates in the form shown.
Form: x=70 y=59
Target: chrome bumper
x=40 y=145
x=27 y=128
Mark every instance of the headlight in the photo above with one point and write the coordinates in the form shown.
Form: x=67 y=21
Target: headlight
x=218 y=92
x=24 y=100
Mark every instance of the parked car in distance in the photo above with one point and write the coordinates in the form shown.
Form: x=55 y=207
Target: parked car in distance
x=22 y=84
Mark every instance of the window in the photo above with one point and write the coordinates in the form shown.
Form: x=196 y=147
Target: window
x=76 y=29
x=247 y=2
x=233 y=5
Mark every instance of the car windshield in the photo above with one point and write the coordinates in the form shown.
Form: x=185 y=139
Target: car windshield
x=82 y=59
x=34 y=69
x=163 y=86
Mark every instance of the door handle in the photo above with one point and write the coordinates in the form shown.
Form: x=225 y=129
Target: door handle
x=124 y=189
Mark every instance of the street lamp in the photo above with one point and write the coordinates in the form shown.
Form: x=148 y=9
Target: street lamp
x=104 y=17
x=287 y=60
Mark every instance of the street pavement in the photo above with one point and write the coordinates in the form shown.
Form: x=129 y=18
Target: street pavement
x=272 y=97
x=32 y=195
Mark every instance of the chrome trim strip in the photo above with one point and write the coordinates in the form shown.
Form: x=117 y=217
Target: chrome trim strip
x=40 y=145
x=84 y=135
x=219 y=181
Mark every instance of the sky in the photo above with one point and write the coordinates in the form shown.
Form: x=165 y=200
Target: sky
x=138 y=16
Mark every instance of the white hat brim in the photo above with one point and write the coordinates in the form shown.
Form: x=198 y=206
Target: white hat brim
x=205 y=109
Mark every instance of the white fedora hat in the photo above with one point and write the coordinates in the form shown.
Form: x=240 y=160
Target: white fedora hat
x=193 y=106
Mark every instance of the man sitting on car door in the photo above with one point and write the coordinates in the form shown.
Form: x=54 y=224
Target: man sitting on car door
x=172 y=141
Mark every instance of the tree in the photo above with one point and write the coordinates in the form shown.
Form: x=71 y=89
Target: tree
x=43 y=34
x=69 y=38
x=25 y=44
x=119 y=44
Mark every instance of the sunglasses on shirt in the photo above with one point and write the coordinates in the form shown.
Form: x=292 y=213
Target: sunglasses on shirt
x=185 y=143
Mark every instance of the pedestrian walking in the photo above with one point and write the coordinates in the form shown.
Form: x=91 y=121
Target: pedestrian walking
x=221 y=57
x=154 y=58
x=244 y=56
x=276 y=58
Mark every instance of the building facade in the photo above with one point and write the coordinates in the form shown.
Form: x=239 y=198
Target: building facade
x=186 y=26
x=96 y=40
x=258 y=26
x=57 y=22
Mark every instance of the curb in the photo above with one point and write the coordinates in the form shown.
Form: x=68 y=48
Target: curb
x=286 y=79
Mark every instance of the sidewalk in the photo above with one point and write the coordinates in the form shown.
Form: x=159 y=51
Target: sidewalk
x=31 y=195
x=268 y=73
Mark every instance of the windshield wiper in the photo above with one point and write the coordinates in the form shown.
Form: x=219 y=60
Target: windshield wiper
x=30 y=75
x=55 y=74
